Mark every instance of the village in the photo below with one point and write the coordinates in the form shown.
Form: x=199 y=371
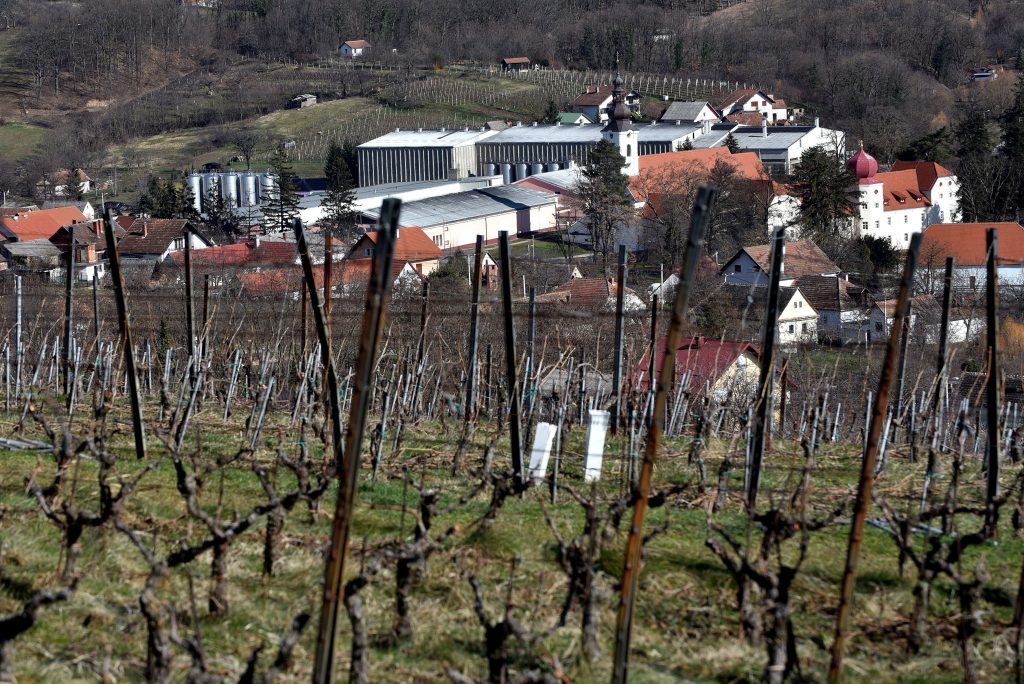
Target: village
x=528 y=181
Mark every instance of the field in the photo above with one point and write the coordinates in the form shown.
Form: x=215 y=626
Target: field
x=195 y=557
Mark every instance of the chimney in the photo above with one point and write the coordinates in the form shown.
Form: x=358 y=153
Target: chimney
x=782 y=266
x=815 y=122
x=706 y=127
x=397 y=233
x=764 y=125
x=145 y=229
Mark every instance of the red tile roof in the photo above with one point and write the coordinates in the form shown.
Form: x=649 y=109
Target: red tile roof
x=412 y=245
x=289 y=279
x=516 y=60
x=702 y=360
x=966 y=242
x=927 y=172
x=39 y=224
x=151 y=236
x=587 y=293
x=746 y=118
x=802 y=258
x=247 y=253
x=594 y=97
x=901 y=190
x=357 y=44
x=661 y=174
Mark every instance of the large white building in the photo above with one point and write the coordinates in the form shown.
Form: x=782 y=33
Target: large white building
x=898 y=203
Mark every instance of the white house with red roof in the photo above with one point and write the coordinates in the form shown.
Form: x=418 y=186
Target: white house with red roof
x=966 y=242
x=351 y=49
x=753 y=101
x=896 y=204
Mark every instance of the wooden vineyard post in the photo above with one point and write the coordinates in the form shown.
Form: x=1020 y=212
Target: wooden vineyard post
x=620 y=287
x=631 y=568
x=940 y=364
x=206 y=315
x=993 y=386
x=18 y=350
x=68 y=317
x=325 y=353
x=96 y=306
x=867 y=471
x=190 y=319
x=762 y=407
x=417 y=372
x=303 y=323
x=901 y=366
x=347 y=460
x=474 y=332
x=511 y=377
x=126 y=335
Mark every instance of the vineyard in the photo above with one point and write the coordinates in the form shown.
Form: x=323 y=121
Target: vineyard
x=463 y=484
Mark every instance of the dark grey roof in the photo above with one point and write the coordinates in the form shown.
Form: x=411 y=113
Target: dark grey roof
x=683 y=111
x=38 y=249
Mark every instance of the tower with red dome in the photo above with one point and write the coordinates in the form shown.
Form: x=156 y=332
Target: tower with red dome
x=863 y=166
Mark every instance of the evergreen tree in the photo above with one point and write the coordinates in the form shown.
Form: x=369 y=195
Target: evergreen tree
x=283 y=206
x=551 y=113
x=604 y=196
x=731 y=143
x=1013 y=126
x=218 y=214
x=824 y=185
x=339 y=202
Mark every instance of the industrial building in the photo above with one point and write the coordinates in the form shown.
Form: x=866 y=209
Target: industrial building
x=522 y=151
x=454 y=221
x=237 y=190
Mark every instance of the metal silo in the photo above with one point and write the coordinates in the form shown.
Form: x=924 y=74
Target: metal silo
x=552 y=167
x=249 y=181
x=506 y=173
x=229 y=188
x=195 y=184
x=521 y=171
x=266 y=187
x=490 y=170
x=536 y=168
x=209 y=183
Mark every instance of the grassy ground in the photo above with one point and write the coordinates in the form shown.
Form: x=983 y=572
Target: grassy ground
x=685 y=627
x=19 y=140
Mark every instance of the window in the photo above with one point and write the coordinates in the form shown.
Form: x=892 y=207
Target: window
x=877 y=224
x=629 y=151
x=864 y=225
x=792 y=327
x=974 y=282
x=738 y=268
x=803 y=327
x=906 y=219
x=876 y=205
x=888 y=220
x=878 y=327
x=438 y=240
x=368 y=252
x=906 y=236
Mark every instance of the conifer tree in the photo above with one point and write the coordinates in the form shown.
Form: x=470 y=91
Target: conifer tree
x=731 y=143
x=283 y=206
x=551 y=113
x=823 y=185
x=339 y=202
x=604 y=196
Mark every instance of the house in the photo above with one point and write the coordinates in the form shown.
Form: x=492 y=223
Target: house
x=412 y=246
x=515 y=63
x=572 y=119
x=351 y=49
x=983 y=74
x=38 y=258
x=90 y=248
x=752 y=265
x=754 y=101
x=797 y=322
x=84 y=206
x=691 y=112
x=40 y=223
x=925 y=321
x=840 y=304
x=719 y=368
x=592 y=295
x=156 y=239
x=966 y=242
x=62 y=183
x=899 y=203
x=596 y=103
x=779 y=147
x=301 y=101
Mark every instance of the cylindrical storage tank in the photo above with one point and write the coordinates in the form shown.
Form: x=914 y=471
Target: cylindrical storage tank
x=249 y=190
x=266 y=187
x=536 y=168
x=195 y=184
x=552 y=167
x=521 y=171
x=490 y=170
x=506 y=173
x=229 y=188
x=209 y=182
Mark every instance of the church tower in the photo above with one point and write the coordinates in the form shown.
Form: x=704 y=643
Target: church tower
x=619 y=130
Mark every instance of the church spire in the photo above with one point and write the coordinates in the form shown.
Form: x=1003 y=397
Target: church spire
x=620 y=120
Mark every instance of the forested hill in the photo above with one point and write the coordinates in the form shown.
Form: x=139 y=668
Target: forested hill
x=887 y=71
